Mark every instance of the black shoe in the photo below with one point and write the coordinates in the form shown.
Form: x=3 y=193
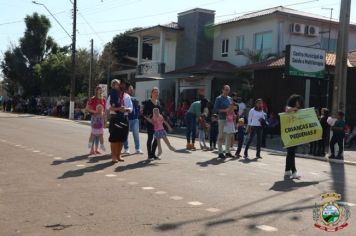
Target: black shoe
x=332 y=157
x=340 y=157
x=259 y=157
x=221 y=156
x=237 y=155
x=156 y=157
x=245 y=155
x=229 y=155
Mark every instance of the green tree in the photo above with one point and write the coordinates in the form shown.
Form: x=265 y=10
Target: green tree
x=20 y=61
x=124 y=45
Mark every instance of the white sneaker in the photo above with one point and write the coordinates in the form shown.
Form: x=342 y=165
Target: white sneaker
x=127 y=152
x=102 y=147
x=288 y=173
x=139 y=151
x=295 y=175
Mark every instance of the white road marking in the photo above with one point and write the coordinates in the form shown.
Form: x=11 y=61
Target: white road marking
x=36 y=151
x=57 y=158
x=132 y=183
x=160 y=192
x=17 y=145
x=347 y=204
x=212 y=210
x=314 y=173
x=110 y=175
x=176 y=198
x=195 y=203
x=80 y=165
x=148 y=188
x=99 y=171
x=267 y=228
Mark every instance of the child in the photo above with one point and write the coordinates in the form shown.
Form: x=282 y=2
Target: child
x=158 y=121
x=202 y=129
x=338 y=136
x=229 y=128
x=97 y=130
x=214 y=131
x=240 y=136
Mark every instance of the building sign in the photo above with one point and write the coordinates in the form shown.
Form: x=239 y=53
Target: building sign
x=305 y=62
x=300 y=127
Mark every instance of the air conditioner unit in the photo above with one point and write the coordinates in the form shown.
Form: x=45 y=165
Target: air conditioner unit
x=312 y=31
x=297 y=28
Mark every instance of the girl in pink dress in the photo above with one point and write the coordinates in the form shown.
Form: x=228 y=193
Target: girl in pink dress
x=158 y=121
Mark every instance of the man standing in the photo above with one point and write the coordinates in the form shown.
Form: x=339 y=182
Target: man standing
x=221 y=106
x=134 y=123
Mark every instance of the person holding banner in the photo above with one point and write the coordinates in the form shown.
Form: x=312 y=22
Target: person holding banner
x=256 y=118
x=294 y=103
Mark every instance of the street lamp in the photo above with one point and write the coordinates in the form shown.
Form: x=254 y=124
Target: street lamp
x=41 y=4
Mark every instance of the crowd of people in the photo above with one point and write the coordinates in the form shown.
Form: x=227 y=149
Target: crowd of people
x=225 y=123
x=46 y=106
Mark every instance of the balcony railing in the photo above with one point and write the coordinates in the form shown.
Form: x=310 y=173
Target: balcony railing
x=151 y=68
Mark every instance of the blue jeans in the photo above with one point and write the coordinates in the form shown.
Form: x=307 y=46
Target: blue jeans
x=191 y=122
x=134 y=126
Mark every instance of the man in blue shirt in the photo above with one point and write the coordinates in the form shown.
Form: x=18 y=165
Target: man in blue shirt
x=221 y=107
x=134 y=123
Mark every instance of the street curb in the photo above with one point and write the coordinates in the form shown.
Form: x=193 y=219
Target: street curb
x=305 y=156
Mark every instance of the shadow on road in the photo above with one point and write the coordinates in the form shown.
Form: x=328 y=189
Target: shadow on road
x=214 y=161
x=290 y=185
x=81 y=172
x=339 y=179
x=137 y=165
x=72 y=159
x=223 y=219
x=248 y=160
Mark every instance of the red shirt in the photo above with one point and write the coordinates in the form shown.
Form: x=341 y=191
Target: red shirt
x=94 y=102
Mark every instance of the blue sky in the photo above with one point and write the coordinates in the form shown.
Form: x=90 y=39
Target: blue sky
x=102 y=19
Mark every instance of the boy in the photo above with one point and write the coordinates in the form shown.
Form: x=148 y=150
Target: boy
x=338 y=136
x=240 y=136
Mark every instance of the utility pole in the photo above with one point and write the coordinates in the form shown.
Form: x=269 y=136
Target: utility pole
x=91 y=68
x=72 y=81
x=340 y=81
x=109 y=68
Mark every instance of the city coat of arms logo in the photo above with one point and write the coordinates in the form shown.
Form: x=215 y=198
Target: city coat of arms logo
x=331 y=215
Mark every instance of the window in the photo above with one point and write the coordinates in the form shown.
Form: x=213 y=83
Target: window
x=224 y=47
x=263 y=42
x=240 y=43
x=332 y=46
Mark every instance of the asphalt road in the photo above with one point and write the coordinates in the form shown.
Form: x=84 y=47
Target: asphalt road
x=48 y=186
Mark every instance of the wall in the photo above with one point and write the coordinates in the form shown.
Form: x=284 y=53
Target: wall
x=169 y=53
x=275 y=24
x=248 y=30
x=143 y=89
x=193 y=45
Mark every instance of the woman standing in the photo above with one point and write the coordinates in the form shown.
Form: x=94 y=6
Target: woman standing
x=91 y=108
x=191 y=118
x=294 y=103
x=256 y=117
x=119 y=104
x=148 y=113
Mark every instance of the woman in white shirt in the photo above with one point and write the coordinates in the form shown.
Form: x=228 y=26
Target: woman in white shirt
x=255 y=118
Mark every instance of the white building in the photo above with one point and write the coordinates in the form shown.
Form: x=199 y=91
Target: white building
x=270 y=30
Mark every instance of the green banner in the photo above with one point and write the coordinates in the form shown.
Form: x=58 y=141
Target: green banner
x=300 y=127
